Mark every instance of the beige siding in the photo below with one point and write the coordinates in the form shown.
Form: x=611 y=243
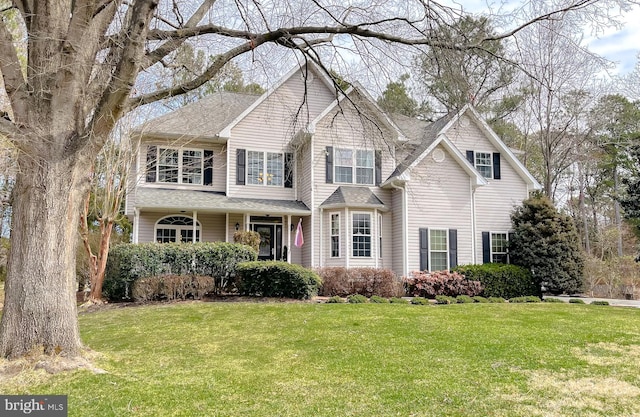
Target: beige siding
x=397 y=231
x=439 y=197
x=212 y=225
x=271 y=126
x=496 y=201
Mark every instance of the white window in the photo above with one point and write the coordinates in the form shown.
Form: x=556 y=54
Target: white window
x=438 y=250
x=499 y=242
x=346 y=159
x=335 y=235
x=361 y=234
x=484 y=164
x=258 y=174
x=180 y=166
x=176 y=229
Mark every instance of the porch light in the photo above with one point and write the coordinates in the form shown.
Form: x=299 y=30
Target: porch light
x=237 y=226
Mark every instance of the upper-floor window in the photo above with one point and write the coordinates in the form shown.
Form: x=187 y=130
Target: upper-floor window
x=179 y=166
x=265 y=168
x=354 y=166
x=487 y=163
x=484 y=164
x=361 y=234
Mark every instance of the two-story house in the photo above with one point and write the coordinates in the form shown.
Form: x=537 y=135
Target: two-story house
x=366 y=188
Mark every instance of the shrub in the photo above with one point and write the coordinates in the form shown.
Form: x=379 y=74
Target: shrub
x=599 y=303
x=129 y=262
x=495 y=300
x=365 y=281
x=420 y=301
x=336 y=299
x=576 y=301
x=501 y=280
x=249 y=238
x=552 y=300
x=172 y=287
x=546 y=242
x=445 y=299
x=397 y=300
x=378 y=300
x=277 y=279
x=357 y=299
x=479 y=299
x=526 y=299
x=431 y=284
x=464 y=299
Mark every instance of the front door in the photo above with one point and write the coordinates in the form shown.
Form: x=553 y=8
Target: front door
x=270 y=241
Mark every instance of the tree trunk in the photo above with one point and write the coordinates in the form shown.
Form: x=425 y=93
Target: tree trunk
x=40 y=312
x=616 y=207
x=98 y=268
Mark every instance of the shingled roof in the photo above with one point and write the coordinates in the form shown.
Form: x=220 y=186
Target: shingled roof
x=349 y=196
x=204 y=118
x=162 y=198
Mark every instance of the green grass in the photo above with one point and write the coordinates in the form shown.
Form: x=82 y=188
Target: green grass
x=305 y=359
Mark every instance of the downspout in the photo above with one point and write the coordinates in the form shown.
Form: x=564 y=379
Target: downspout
x=313 y=201
x=375 y=237
x=405 y=225
x=321 y=253
x=473 y=222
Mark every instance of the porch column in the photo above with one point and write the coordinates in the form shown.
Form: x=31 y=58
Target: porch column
x=136 y=224
x=195 y=226
x=321 y=236
x=289 y=251
x=226 y=227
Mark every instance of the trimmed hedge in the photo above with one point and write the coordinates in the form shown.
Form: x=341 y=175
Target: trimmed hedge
x=501 y=280
x=431 y=284
x=172 y=287
x=365 y=281
x=129 y=262
x=277 y=279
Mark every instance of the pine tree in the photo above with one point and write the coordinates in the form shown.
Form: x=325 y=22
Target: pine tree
x=546 y=242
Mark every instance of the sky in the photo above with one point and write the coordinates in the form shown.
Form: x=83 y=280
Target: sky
x=620 y=45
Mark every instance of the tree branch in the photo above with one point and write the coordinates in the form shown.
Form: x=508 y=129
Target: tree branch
x=14 y=82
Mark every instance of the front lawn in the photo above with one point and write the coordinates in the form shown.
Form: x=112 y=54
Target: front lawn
x=305 y=359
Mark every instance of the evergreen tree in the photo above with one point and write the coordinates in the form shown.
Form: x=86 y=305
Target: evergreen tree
x=546 y=242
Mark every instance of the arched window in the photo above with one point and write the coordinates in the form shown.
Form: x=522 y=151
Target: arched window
x=176 y=229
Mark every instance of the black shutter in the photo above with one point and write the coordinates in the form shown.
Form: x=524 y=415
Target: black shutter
x=329 y=165
x=471 y=158
x=288 y=170
x=424 y=249
x=240 y=166
x=453 y=248
x=509 y=240
x=496 y=166
x=152 y=161
x=486 y=248
x=208 y=167
x=378 y=165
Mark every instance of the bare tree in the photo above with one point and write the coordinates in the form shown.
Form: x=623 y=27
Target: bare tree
x=88 y=64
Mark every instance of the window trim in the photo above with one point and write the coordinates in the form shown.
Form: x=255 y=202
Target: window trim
x=446 y=251
x=334 y=235
x=490 y=165
x=180 y=167
x=370 y=235
x=354 y=166
x=264 y=168
x=491 y=252
x=177 y=228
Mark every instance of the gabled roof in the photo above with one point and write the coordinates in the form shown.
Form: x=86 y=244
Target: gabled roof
x=435 y=134
x=350 y=196
x=202 y=119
